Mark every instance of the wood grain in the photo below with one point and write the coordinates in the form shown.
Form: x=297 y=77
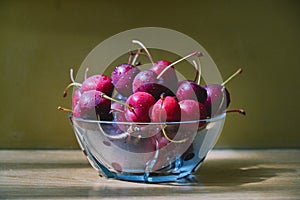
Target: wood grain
x=225 y=174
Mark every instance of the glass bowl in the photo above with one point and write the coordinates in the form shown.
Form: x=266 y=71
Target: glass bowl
x=147 y=152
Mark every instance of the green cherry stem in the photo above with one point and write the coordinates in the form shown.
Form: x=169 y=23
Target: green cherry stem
x=146 y=50
x=86 y=73
x=197 y=71
x=64 y=109
x=167 y=137
x=136 y=57
x=102 y=95
x=239 y=71
x=70 y=85
x=174 y=63
x=130 y=57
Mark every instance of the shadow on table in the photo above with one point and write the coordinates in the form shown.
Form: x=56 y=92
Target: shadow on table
x=234 y=173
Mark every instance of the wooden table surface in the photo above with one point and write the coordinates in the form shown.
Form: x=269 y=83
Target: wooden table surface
x=225 y=174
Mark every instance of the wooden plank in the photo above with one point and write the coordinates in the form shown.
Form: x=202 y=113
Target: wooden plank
x=226 y=174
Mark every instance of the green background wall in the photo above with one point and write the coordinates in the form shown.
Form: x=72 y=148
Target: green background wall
x=41 y=40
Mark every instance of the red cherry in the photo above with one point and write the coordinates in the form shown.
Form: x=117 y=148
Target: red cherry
x=146 y=81
x=169 y=78
x=191 y=90
x=76 y=97
x=92 y=105
x=140 y=103
x=98 y=82
x=142 y=78
x=192 y=110
x=122 y=78
x=218 y=99
x=166 y=109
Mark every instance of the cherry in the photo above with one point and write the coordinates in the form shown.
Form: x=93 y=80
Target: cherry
x=166 y=109
x=192 y=110
x=93 y=106
x=122 y=78
x=76 y=97
x=169 y=78
x=139 y=105
x=144 y=77
x=218 y=97
x=98 y=82
x=145 y=81
x=190 y=90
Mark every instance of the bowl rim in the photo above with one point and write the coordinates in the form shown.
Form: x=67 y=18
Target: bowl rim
x=216 y=118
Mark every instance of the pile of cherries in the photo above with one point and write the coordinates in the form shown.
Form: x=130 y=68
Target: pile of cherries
x=152 y=95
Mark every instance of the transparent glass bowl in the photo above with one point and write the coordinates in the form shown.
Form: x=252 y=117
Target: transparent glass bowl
x=147 y=152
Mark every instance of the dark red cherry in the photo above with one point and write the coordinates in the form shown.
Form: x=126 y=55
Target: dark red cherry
x=156 y=90
x=122 y=78
x=142 y=78
x=139 y=105
x=192 y=110
x=145 y=81
x=218 y=99
x=93 y=106
x=98 y=82
x=190 y=90
x=169 y=78
x=166 y=109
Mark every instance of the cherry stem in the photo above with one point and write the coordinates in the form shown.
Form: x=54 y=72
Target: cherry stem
x=198 y=67
x=174 y=63
x=72 y=76
x=64 y=109
x=197 y=70
x=146 y=50
x=241 y=111
x=239 y=71
x=167 y=137
x=130 y=57
x=86 y=73
x=115 y=110
x=70 y=85
x=136 y=57
x=102 y=95
x=137 y=64
x=119 y=136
